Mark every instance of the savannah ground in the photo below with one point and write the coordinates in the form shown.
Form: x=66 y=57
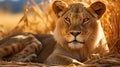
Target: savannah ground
x=43 y=20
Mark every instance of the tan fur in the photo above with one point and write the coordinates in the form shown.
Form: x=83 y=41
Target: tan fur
x=78 y=32
x=27 y=47
x=33 y=47
x=23 y=43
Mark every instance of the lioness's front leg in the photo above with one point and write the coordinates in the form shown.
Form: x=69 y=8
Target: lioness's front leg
x=61 y=57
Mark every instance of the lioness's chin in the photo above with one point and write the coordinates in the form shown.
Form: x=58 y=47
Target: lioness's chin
x=73 y=45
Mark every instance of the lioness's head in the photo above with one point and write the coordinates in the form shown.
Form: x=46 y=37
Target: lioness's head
x=77 y=24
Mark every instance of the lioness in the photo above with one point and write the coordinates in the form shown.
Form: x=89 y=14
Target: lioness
x=78 y=32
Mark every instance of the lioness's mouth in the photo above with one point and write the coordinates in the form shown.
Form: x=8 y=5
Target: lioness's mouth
x=75 y=41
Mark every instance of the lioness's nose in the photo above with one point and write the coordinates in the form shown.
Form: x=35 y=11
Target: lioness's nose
x=75 y=33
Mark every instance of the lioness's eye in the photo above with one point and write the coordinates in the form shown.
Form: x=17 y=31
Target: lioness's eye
x=85 y=20
x=67 y=20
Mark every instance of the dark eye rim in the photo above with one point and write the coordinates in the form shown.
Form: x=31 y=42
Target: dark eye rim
x=67 y=20
x=86 y=20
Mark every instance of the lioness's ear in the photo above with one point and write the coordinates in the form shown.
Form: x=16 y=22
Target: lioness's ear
x=59 y=7
x=99 y=8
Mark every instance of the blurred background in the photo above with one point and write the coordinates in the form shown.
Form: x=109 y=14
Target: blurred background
x=11 y=11
x=13 y=6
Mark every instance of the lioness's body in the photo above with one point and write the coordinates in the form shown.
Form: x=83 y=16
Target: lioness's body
x=13 y=47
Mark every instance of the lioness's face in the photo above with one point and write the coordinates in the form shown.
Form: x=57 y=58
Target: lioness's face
x=76 y=23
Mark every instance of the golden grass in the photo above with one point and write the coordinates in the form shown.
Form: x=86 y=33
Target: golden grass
x=7 y=22
x=42 y=20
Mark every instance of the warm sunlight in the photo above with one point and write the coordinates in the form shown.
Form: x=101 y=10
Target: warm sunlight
x=27 y=36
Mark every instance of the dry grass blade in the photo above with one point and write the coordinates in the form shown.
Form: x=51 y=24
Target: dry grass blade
x=2 y=32
x=110 y=61
x=35 y=8
x=17 y=64
x=24 y=18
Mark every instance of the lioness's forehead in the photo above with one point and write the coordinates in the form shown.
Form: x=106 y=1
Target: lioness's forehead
x=78 y=10
x=77 y=7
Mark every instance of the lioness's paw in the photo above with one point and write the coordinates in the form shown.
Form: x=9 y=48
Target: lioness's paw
x=94 y=56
